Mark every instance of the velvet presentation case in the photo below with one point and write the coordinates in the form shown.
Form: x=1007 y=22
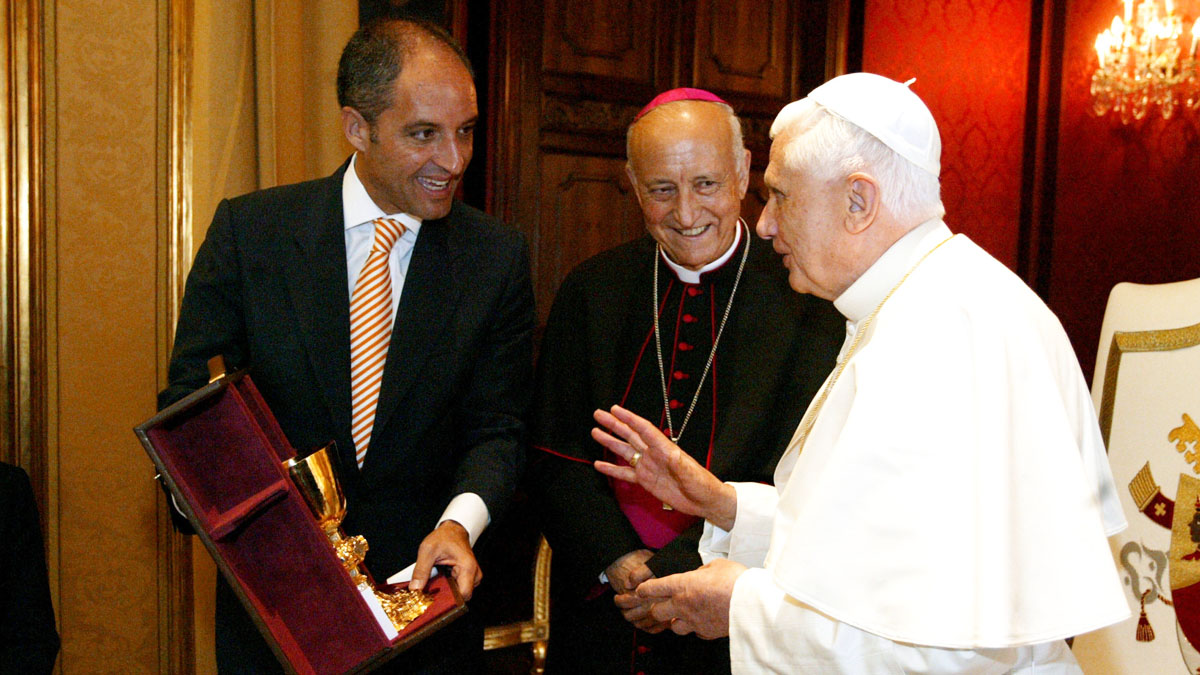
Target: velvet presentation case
x=221 y=454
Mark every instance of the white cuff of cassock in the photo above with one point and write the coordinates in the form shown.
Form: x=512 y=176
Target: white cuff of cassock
x=748 y=541
x=468 y=510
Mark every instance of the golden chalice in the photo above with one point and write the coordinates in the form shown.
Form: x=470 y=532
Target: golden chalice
x=316 y=478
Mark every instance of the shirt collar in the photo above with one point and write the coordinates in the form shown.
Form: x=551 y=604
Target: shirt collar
x=865 y=294
x=693 y=276
x=359 y=208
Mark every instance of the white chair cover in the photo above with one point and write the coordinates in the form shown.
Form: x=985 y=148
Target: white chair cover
x=1146 y=389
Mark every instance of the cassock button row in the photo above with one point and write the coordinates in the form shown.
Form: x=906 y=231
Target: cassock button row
x=693 y=291
x=642 y=649
x=675 y=405
x=688 y=318
x=685 y=347
x=679 y=375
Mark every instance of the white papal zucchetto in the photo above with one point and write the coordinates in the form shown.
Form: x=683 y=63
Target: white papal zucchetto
x=889 y=111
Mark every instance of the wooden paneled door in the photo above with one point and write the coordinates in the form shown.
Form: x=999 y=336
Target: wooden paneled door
x=567 y=77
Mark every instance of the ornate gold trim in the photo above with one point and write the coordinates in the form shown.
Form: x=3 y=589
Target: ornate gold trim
x=22 y=227
x=174 y=163
x=1138 y=341
x=25 y=330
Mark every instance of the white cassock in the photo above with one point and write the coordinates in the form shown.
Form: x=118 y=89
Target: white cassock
x=950 y=508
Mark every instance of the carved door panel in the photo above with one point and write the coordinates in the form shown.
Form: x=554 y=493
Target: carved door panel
x=567 y=77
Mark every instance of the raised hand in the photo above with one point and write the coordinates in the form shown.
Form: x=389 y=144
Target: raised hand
x=659 y=466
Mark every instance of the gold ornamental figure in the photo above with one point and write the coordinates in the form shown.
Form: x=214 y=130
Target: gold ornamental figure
x=317 y=479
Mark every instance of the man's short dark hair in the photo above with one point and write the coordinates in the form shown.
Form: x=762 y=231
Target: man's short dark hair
x=374 y=57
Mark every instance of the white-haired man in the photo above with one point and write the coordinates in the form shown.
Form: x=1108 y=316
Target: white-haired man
x=944 y=503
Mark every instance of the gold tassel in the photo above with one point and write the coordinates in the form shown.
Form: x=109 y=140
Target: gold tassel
x=1144 y=632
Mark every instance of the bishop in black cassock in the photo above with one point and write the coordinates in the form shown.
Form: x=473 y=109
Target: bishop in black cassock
x=599 y=349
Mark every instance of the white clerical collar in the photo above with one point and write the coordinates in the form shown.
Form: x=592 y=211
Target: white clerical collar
x=693 y=276
x=359 y=208
x=865 y=294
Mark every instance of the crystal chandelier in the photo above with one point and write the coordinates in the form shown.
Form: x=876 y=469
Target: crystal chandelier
x=1142 y=63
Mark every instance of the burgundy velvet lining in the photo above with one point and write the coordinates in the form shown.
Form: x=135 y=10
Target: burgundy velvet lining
x=219 y=458
x=223 y=456
x=300 y=591
x=266 y=422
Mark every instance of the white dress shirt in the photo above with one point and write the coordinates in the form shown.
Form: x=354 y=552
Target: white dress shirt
x=358 y=214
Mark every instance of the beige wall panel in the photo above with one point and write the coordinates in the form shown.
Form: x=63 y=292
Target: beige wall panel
x=105 y=258
x=329 y=24
x=224 y=160
x=299 y=123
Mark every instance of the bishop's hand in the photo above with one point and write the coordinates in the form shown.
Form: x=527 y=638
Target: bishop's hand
x=662 y=469
x=626 y=572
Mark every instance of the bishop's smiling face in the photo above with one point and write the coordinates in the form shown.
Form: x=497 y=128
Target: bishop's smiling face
x=689 y=179
x=412 y=157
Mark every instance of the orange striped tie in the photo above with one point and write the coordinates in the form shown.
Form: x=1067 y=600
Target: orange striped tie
x=370 y=332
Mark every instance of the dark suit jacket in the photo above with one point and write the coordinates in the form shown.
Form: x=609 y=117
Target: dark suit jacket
x=268 y=291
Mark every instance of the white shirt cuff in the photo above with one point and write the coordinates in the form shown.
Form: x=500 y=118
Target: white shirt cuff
x=468 y=510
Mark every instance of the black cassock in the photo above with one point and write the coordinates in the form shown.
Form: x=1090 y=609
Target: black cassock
x=598 y=350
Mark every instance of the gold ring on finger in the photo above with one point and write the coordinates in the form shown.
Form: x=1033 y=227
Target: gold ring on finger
x=633 y=461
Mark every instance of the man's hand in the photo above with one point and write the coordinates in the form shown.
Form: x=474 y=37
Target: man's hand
x=637 y=612
x=450 y=545
x=624 y=575
x=694 y=602
x=664 y=470
x=629 y=570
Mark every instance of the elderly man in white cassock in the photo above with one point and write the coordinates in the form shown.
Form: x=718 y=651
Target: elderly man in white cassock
x=944 y=503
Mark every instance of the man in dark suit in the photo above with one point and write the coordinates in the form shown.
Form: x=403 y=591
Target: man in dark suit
x=695 y=327
x=302 y=284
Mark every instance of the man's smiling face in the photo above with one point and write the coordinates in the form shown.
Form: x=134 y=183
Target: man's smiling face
x=417 y=149
x=689 y=179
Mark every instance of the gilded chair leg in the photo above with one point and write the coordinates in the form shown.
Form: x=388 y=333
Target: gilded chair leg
x=536 y=631
x=539 y=658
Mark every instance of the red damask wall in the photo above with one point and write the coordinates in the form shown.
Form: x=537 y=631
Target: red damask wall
x=1127 y=197
x=1125 y=204
x=970 y=61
